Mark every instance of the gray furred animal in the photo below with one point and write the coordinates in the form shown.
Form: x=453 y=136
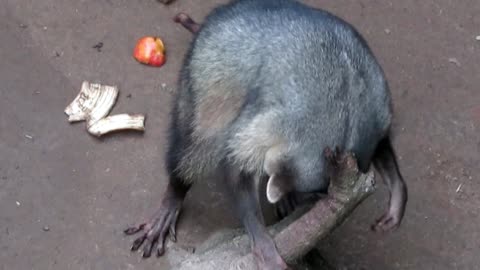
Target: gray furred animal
x=265 y=88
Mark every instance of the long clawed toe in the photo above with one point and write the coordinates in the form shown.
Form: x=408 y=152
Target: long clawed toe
x=155 y=232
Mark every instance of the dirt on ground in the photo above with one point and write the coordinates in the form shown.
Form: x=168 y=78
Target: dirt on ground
x=65 y=196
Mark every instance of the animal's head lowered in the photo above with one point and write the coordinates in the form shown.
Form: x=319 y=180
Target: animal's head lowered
x=299 y=169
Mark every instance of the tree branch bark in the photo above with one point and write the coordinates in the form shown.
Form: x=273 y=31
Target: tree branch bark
x=294 y=236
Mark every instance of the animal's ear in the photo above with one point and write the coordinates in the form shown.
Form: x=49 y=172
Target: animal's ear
x=277 y=187
x=280 y=181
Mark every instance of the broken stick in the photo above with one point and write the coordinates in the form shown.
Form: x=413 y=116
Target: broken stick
x=348 y=189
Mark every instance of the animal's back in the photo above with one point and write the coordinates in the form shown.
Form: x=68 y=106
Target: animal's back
x=265 y=88
x=266 y=72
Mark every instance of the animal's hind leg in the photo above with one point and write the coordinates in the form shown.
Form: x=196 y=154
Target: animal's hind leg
x=163 y=222
x=385 y=162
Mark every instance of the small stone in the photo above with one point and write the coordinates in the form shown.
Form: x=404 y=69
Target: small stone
x=387 y=31
x=455 y=61
x=18 y=203
x=45 y=28
x=98 y=46
x=477 y=38
x=46 y=229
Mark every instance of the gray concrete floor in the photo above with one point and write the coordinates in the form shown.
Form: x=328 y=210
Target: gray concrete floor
x=86 y=190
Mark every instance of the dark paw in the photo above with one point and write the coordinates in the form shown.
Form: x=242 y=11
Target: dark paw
x=154 y=232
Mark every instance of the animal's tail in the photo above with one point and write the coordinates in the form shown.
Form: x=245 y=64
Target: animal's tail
x=187 y=22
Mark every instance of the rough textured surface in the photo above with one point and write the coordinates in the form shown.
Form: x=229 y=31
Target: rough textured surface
x=86 y=190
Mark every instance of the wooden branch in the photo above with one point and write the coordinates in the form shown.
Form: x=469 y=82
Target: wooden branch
x=348 y=189
x=296 y=235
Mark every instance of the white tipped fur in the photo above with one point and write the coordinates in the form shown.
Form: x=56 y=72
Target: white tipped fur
x=245 y=89
x=249 y=147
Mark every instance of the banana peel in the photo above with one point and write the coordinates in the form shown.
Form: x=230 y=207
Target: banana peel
x=93 y=104
x=116 y=123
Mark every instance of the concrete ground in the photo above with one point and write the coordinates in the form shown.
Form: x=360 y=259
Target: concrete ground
x=65 y=197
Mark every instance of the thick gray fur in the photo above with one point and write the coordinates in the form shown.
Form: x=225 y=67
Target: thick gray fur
x=277 y=77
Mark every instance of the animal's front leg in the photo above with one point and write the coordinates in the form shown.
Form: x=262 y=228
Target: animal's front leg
x=163 y=222
x=247 y=206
